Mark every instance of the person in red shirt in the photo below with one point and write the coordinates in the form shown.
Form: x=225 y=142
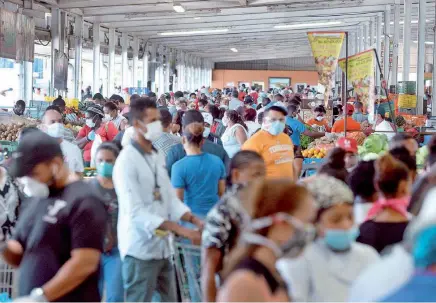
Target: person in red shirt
x=339 y=126
x=94 y=126
x=241 y=95
x=254 y=94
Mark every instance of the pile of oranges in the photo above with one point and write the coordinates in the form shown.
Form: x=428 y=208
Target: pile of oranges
x=317 y=153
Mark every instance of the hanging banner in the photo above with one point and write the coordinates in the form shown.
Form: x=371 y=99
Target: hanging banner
x=361 y=75
x=8 y=34
x=326 y=47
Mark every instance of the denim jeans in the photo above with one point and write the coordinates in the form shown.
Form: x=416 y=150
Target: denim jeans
x=143 y=277
x=111 y=279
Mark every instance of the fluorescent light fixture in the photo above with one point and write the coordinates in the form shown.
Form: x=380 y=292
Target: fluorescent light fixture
x=305 y=25
x=196 y=18
x=178 y=8
x=426 y=42
x=199 y=32
x=234 y=50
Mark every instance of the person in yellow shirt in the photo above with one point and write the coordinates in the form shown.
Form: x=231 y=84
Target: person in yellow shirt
x=273 y=144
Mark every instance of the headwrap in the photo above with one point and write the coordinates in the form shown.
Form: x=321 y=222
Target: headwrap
x=96 y=109
x=329 y=191
x=399 y=205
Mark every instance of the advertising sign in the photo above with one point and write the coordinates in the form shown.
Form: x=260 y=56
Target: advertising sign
x=326 y=47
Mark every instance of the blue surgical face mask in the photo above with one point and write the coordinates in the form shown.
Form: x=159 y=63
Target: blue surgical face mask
x=339 y=239
x=105 y=169
x=277 y=127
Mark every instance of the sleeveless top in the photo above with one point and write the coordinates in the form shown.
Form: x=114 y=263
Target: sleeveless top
x=117 y=121
x=230 y=144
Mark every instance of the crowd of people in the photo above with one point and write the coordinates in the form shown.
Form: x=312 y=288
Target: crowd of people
x=221 y=170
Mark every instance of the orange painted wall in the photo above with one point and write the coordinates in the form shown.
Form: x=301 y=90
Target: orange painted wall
x=220 y=77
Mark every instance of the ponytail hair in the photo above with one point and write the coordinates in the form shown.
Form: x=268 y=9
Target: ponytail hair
x=193 y=133
x=335 y=165
x=389 y=172
x=236 y=118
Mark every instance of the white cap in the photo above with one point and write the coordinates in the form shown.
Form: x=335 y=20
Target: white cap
x=207 y=118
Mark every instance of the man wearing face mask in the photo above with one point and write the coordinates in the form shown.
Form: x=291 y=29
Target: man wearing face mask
x=53 y=126
x=59 y=236
x=208 y=122
x=297 y=128
x=148 y=211
x=166 y=139
x=275 y=147
x=94 y=126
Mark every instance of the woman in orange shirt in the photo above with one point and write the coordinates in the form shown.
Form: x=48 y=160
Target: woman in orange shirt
x=319 y=122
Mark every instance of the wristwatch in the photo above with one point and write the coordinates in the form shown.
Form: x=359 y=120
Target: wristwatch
x=38 y=295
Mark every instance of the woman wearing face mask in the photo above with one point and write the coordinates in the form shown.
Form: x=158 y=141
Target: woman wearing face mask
x=110 y=279
x=319 y=122
x=388 y=218
x=235 y=134
x=223 y=222
x=94 y=126
x=111 y=114
x=199 y=178
x=278 y=229
x=327 y=268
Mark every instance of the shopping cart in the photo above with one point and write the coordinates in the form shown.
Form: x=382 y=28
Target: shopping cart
x=7 y=280
x=188 y=269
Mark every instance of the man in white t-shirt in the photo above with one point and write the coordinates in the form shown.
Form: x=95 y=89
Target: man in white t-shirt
x=53 y=126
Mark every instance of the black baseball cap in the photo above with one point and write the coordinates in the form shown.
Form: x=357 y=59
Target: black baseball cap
x=35 y=147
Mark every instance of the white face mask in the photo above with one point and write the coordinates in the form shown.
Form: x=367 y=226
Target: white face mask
x=206 y=132
x=154 y=131
x=107 y=118
x=201 y=108
x=90 y=123
x=55 y=130
x=319 y=118
x=34 y=188
x=225 y=121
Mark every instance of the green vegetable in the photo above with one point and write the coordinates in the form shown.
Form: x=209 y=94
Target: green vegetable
x=370 y=156
x=421 y=156
x=375 y=143
x=306 y=140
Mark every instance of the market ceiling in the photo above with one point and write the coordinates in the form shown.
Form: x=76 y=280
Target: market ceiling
x=254 y=29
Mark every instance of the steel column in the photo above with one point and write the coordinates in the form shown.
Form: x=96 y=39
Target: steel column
x=394 y=76
x=433 y=87
x=366 y=35
x=407 y=39
x=387 y=30
x=124 y=60
x=145 y=60
x=421 y=56
x=96 y=57
x=78 y=33
x=111 y=68
x=135 y=62
x=378 y=47
x=28 y=80
x=55 y=37
x=361 y=38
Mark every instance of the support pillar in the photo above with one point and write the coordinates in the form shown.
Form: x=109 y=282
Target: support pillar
x=124 y=61
x=361 y=38
x=421 y=56
x=78 y=33
x=366 y=35
x=28 y=81
x=433 y=86
x=387 y=31
x=111 y=68
x=96 y=57
x=407 y=39
x=356 y=41
x=55 y=37
x=135 y=62
x=394 y=76
x=371 y=34
x=378 y=48
x=145 y=60
x=167 y=71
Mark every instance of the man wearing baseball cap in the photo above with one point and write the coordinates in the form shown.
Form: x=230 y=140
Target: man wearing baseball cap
x=339 y=126
x=350 y=146
x=59 y=237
